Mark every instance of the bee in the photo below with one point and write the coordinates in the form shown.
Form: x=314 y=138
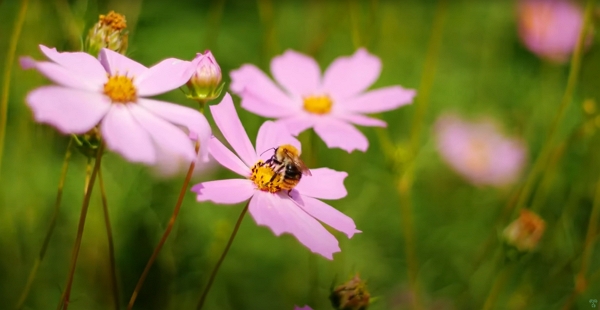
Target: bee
x=286 y=162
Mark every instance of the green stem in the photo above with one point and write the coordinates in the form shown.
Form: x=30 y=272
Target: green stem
x=165 y=235
x=588 y=248
x=499 y=283
x=10 y=59
x=406 y=173
x=222 y=258
x=111 y=246
x=540 y=163
x=422 y=100
x=50 y=231
x=64 y=300
x=265 y=12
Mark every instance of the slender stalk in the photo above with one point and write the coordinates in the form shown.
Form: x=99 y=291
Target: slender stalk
x=222 y=258
x=266 y=15
x=499 y=283
x=588 y=248
x=433 y=50
x=408 y=229
x=50 y=231
x=64 y=300
x=8 y=65
x=406 y=174
x=165 y=235
x=111 y=246
x=540 y=163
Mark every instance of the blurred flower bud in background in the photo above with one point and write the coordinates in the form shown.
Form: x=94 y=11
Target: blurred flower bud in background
x=205 y=83
x=352 y=295
x=525 y=232
x=109 y=32
x=478 y=151
x=550 y=28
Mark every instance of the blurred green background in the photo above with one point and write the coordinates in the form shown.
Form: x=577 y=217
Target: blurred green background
x=482 y=69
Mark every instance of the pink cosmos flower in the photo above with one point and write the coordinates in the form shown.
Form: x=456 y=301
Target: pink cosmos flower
x=550 y=28
x=329 y=104
x=302 y=308
x=109 y=92
x=298 y=212
x=478 y=151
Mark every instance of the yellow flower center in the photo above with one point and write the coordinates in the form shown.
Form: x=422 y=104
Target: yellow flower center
x=318 y=104
x=262 y=175
x=113 y=20
x=120 y=89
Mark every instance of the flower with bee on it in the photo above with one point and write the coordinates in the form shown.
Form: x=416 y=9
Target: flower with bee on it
x=283 y=207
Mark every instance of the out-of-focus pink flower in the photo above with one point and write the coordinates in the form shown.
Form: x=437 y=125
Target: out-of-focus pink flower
x=205 y=83
x=109 y=92
x=550 y=28
x=302 y=308
x=478 y=151
x=329 y=104
x=298 y=212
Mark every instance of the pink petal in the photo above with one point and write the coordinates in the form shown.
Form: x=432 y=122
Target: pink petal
x=259 y=94
x=81 y=63
x=282 y=215
x=117 y=64
x=380 y=100
x=358 y=119
x=231 y=127
x=272 y=135
x=227 y=159
x=63 y=76
x=69 y=110
x=189 y=118
x=230 y=191
x=349 y=76
x=302 y=308
x=336 y=133
x=329 y=215
x=125 y=136
x=259 y=104
x=324 y=183
x=164 y=134
x=164 y=76
x=297 y=123
x=296 y=72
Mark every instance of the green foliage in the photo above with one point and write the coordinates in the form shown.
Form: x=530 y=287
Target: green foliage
x=482 y=69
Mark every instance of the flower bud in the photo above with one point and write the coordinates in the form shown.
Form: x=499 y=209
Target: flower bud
x=525 y=232
x=205 y=83
x=109 y=32
x=352 y=295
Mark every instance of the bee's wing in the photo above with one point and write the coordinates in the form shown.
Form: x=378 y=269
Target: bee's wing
x=298 y=162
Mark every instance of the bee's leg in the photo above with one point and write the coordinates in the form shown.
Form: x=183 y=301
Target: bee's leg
x=275 y=174
x=290 y=193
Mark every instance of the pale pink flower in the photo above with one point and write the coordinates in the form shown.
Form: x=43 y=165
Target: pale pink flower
x=478 y=151
x=330 y=104
x=109 y=92
x=298 y=212
x=550 y=28
x=302 y=308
